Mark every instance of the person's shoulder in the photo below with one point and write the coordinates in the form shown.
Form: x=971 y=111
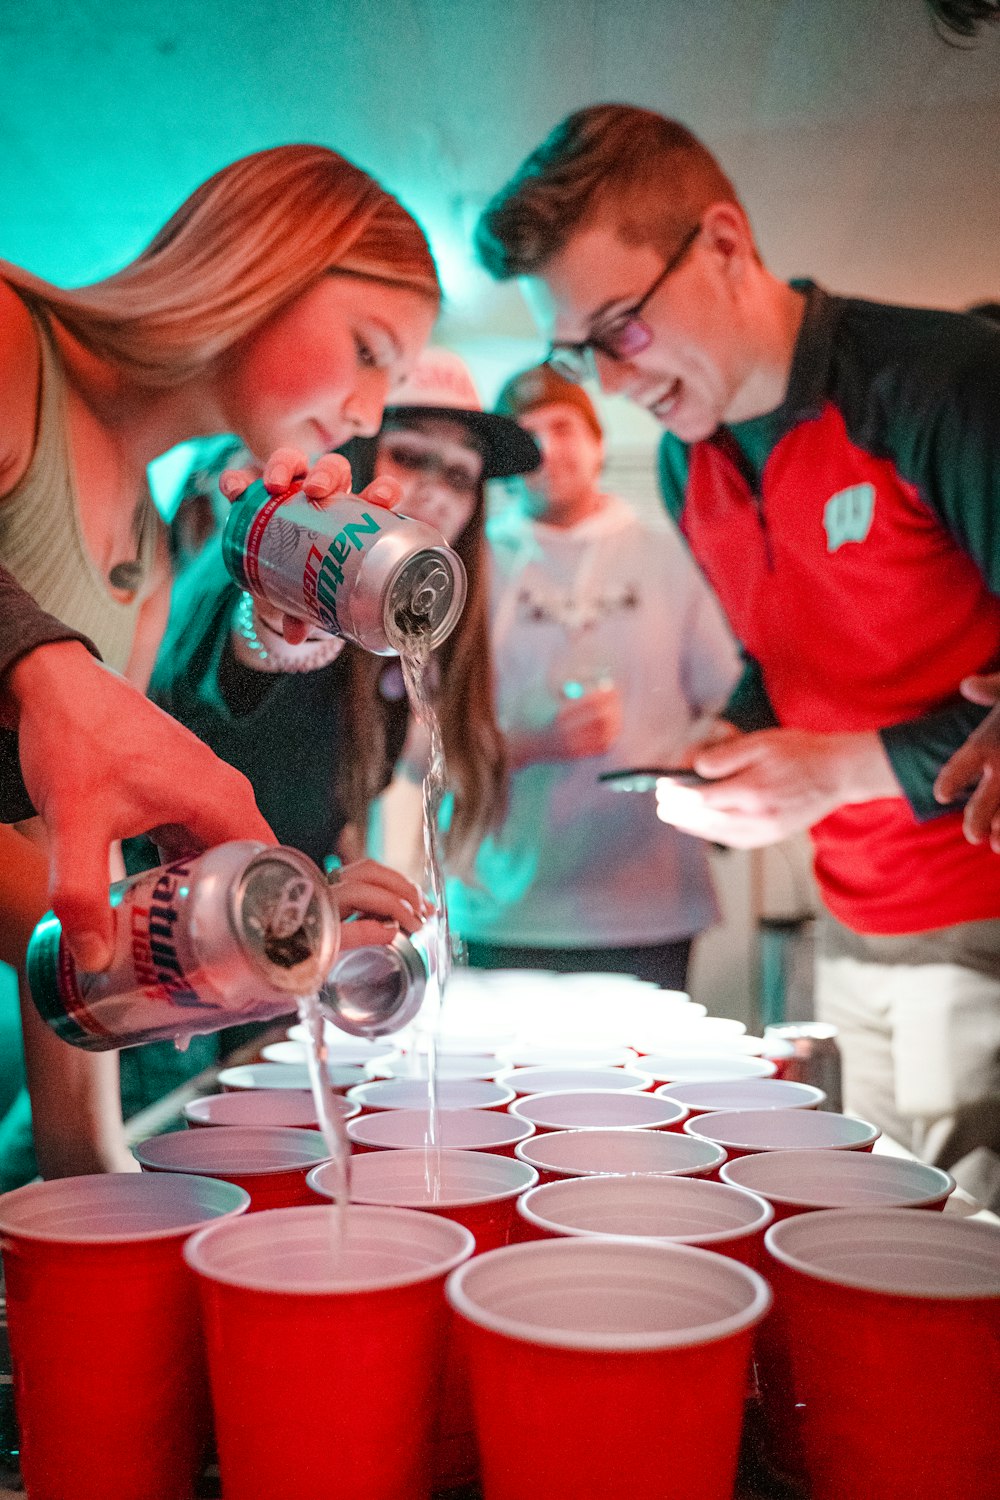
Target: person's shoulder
x=918 y=357
x=20 y=365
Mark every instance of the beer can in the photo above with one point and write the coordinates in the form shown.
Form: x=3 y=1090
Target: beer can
x=361 y=572
x=815 y=1057
x=374 y=991
x=234 y=934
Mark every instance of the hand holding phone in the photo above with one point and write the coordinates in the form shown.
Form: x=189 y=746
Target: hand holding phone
x=644 y=778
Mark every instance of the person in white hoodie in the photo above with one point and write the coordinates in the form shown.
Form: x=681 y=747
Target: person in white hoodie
x=607 y=646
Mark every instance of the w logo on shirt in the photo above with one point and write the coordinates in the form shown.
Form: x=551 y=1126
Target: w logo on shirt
x=847 y=515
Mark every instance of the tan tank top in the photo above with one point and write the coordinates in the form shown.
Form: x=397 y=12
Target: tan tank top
x=41 y=540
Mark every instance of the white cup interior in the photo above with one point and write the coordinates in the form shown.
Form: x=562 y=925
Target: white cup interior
x=412 y=1093
x=591 y=1153
x=574 y=1080
x=247 y=1149
x=839 y=1179
x=685 y=1209
x=782 y=1129
x=902 y=1251
x=609 y=1294
x=316 y=1250
x=706 y=1067
x=598 y=1109
x=458 y=1129
x=428 y=1177
x=293 y=1108
x=116 y=1207
x=744 y=1093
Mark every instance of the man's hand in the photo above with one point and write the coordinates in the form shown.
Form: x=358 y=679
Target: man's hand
x=322 y=484
x=587 y=726
x=774 y=783
x=977 y=764
x=101 y=763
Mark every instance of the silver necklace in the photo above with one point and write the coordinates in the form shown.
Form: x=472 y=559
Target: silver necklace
x=270 y=652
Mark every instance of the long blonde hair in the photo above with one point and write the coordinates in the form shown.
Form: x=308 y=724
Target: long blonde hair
x=246 y=242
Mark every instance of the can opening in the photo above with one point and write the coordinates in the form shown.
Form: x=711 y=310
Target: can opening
x=425 y=599
x=280 y=914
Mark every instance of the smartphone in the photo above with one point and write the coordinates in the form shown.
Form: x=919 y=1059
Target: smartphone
x=644 y=778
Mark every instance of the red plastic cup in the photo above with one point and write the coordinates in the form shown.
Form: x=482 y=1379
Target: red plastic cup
x=742 y=1093
x=411 y=1093
x=294 y=1109
x=325 y=1355
x=796 y=1182
x=457 y=1129
x=557 y=1154
x=892 y=1321
x=599 y=1110
x=684 y=1210
x=476 y=1190
x=574 y=1080
x=613 y=1348
x=471 y=1187
x=269 y=1163
x=743 y=1132
x=269 y=1075
x=109 y=1378
x=705 y=1067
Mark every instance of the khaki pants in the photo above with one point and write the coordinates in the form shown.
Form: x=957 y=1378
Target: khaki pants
x=920 y=1042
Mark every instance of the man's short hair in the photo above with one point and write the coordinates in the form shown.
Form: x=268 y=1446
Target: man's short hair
x=652 y=173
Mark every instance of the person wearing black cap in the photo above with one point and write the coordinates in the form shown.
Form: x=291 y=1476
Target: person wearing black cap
x=606 y=646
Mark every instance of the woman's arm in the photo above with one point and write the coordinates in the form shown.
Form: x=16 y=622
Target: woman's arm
x=75 y=1103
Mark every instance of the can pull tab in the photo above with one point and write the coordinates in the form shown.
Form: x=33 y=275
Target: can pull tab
x=288 y=913
x=431 y=583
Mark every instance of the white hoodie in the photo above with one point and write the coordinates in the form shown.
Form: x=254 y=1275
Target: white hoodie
x=576 y=864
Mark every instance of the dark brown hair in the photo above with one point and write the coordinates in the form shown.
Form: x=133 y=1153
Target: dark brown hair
x=652 y=172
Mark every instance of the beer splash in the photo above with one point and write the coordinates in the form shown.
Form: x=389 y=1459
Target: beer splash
x=415 y=660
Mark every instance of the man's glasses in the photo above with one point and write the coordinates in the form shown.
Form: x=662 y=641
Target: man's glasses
x=410 y=455
x=627 y=336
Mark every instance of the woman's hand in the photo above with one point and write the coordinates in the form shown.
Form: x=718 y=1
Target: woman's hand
x=380 y=901
x=321 y=483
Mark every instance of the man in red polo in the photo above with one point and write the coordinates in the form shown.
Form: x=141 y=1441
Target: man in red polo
x=835 y=467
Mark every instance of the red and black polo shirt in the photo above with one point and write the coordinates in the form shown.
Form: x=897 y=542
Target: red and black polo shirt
x=853 y=538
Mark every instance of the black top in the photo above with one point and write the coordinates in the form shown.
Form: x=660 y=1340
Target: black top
x=286 y=732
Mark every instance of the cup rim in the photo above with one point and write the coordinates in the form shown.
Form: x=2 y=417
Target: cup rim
x=796 y=1200
x=473 y=1200
x=765 y=1210
x=239 y=1202
x=805 y=1095
x=310 y=1142
x=464 y=1240
x=696 y=1124
x=359 y=1091
x=511 y=1077
x=529 y=1099
x=893 y=1220
x=605 y=1342
x=538 y=1139
x=510 y=1138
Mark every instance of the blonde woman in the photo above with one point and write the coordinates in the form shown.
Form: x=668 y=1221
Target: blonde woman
x=280 y=302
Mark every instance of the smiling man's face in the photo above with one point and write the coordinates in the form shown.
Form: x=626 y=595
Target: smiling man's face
x=691 y=373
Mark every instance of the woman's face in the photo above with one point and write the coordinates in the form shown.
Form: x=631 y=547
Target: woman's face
x=320 y=370
x=439 y=467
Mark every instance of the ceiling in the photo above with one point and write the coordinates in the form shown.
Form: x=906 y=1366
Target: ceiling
x=865 y=146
